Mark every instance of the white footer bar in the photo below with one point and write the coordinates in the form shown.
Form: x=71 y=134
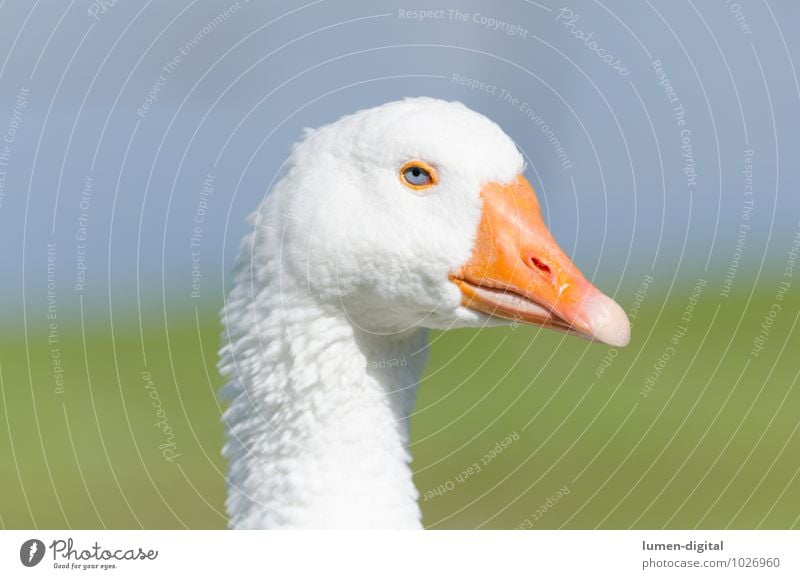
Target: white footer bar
x=379 y=554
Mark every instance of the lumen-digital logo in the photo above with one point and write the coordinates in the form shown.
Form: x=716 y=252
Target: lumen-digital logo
x=31 y=552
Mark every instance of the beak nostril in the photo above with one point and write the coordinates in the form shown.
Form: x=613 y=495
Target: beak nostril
x=540 y=265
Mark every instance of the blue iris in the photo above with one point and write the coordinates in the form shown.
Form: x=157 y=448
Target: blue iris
x=417 y=176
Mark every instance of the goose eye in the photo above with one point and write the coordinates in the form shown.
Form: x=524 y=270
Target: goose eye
x=418 y=175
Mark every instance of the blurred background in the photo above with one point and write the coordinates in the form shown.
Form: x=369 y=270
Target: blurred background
x=660 y=136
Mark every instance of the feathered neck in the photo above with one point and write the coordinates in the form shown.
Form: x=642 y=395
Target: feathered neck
x=317 y=425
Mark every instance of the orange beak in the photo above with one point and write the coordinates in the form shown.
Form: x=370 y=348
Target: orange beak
x=517 y=271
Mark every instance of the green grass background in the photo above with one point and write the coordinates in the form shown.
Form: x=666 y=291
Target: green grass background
x=715 y=445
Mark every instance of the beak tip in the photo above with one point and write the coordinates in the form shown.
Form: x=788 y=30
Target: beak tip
x=608 y=321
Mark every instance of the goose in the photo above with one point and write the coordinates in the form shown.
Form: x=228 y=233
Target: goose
x=389 y=222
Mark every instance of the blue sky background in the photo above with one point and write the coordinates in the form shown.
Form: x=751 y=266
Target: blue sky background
x=246 y=87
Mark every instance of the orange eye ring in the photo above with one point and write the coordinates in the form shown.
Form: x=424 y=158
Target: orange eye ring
x=423 y=169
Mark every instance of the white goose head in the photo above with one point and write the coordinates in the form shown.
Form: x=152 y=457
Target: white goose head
x=407 y=216
x=416 y=213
